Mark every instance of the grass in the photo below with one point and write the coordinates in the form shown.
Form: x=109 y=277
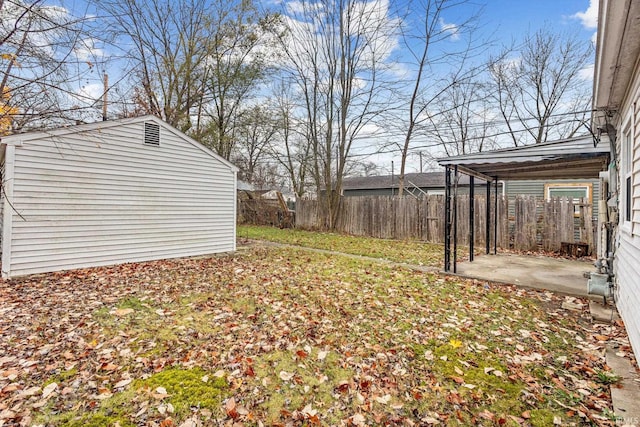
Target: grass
x=286 y=336
x=403 y=251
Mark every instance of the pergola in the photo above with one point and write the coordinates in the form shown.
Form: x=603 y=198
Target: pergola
x=576 y=158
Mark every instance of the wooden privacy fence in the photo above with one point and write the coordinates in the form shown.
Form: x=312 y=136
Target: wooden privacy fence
x=536 y=224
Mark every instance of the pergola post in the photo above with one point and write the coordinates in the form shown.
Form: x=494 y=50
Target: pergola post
x=455 y=220
x=447 y=218
x=495 y=218
x=488 y=219
x=472 y=211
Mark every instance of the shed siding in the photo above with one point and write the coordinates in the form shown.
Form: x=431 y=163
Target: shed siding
x=104 y=197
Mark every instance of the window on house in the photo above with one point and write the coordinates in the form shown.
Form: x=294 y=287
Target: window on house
x=573 y=191
x=633 y=187
x=626 y=161
x=151 y=133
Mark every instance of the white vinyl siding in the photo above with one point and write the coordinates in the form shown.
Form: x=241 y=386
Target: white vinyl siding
x=627 y=250
x=628 y=290
x=104 y=197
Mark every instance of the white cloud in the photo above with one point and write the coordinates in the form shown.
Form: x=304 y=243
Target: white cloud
x=589 y=17
x=586 y=73
x=452 y=29
x=90 y=92
x=86 y=50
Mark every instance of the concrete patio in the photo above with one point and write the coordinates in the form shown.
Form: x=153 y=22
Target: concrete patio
x=531 y=271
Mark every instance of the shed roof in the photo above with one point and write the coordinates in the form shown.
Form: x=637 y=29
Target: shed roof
x=422 y=180
x=575 y=158
x=20 y=138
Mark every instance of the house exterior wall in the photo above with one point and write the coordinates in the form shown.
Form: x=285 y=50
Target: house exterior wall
x=627 y=237
x=537 y=188
x=103 y=197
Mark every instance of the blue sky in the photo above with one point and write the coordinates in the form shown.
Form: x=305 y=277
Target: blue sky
x=515 y=17
x=505 y=22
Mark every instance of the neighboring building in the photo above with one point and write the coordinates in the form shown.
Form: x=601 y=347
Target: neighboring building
x=430 y=183
x=112 y=192
x=574 y=189
x=616 y=98
x=427 y=183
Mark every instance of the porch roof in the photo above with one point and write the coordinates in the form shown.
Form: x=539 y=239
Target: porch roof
x=575 y=158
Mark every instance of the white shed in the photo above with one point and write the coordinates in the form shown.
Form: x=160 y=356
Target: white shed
x=112 y=192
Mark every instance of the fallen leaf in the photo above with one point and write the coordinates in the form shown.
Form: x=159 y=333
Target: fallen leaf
x=230 y=408
x=123 y=383
x=46 y=392
x=358 y=420
x=286 y=376
x=309 y=411
x=383 y=399
x=458 y=380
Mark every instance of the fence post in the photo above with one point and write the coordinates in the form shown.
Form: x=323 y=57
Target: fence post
x=472 y=213
x=447 y=219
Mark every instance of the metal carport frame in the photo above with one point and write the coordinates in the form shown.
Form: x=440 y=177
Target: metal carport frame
x=575 y=158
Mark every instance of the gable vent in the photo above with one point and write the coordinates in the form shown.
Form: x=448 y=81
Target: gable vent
x=151 y=133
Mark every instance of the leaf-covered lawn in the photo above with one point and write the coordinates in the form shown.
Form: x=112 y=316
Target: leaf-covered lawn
x=282 y=336
x=403 y=251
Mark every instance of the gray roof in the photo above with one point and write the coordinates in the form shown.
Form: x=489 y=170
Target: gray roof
x=422 y=180
x=576 y=158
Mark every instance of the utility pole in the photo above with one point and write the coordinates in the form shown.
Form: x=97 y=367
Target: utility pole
x=420 y=161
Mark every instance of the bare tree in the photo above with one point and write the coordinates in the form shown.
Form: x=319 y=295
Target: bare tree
x=292 y=147
x=335 y=51
x=428 y=30
x=44 y=57
x=254 y=137
x=463 y=120
x=236 y=65
x=169 y=48
x=540 y=92
x=194 y=62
